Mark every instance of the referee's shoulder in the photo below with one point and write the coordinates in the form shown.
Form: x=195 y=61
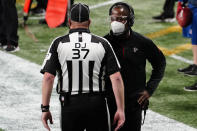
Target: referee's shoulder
x=99 y=39
x=63 y=39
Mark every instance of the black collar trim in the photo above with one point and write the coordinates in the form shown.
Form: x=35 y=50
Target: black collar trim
x=79 y=30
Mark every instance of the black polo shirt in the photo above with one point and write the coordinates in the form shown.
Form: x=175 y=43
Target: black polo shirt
x=132 y=53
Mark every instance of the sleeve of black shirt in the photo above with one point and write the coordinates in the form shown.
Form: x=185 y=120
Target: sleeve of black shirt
x=158 y=63
x=112 y=63
x=51 y=61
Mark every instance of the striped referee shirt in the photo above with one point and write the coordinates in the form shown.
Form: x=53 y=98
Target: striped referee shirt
x=81 y=61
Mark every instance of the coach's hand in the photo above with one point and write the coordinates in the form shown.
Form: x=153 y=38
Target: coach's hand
x=144 y=96
x=119 y=119
x=45 y=117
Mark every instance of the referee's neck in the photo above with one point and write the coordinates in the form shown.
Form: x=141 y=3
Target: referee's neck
x=76 y=25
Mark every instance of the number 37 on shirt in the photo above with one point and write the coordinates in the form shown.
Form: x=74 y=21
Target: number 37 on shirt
x=80 y=51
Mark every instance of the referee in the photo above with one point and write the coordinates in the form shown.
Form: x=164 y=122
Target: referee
x=81 y=61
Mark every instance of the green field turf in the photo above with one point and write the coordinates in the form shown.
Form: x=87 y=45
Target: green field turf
x=170 y=99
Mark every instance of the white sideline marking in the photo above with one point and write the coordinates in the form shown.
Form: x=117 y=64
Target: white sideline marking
x=36 y=18
x=157 y=122
x=20 y=95
x=104 y=4
x=33 y=18
x=181 y=59
x=20 y=98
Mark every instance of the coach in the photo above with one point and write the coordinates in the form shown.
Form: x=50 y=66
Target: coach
x=81 y=60
x=132 y=50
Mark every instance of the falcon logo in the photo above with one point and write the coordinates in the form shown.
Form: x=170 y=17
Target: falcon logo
x=135 y=49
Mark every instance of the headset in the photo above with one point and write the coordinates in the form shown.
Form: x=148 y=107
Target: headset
x=131 y=12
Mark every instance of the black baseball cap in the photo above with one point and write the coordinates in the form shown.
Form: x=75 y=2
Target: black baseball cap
x=79 y=12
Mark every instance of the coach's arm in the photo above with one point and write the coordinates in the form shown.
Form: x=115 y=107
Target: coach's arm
x=47 y=85
x=118 y=89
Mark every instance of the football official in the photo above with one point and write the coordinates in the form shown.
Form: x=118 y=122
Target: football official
x=81 y=60
x=132 y=50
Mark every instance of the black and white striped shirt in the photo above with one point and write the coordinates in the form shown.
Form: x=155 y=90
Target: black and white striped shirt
x=81 y=60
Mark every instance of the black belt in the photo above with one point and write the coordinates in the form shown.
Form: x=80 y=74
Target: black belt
x=64 y=97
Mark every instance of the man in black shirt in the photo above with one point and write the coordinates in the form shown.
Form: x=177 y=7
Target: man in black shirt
x=81 y=60
x=132 y=50
x=8 y=26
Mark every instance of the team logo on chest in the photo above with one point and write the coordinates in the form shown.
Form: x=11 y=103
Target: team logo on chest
x=135 y=49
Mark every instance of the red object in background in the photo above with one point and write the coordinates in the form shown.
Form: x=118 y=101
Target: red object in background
x=56 y=12
x=184 y=15
x=27 y=7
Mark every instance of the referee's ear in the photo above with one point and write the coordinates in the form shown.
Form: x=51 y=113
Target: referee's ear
x=89 y=21
x=69 y=22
